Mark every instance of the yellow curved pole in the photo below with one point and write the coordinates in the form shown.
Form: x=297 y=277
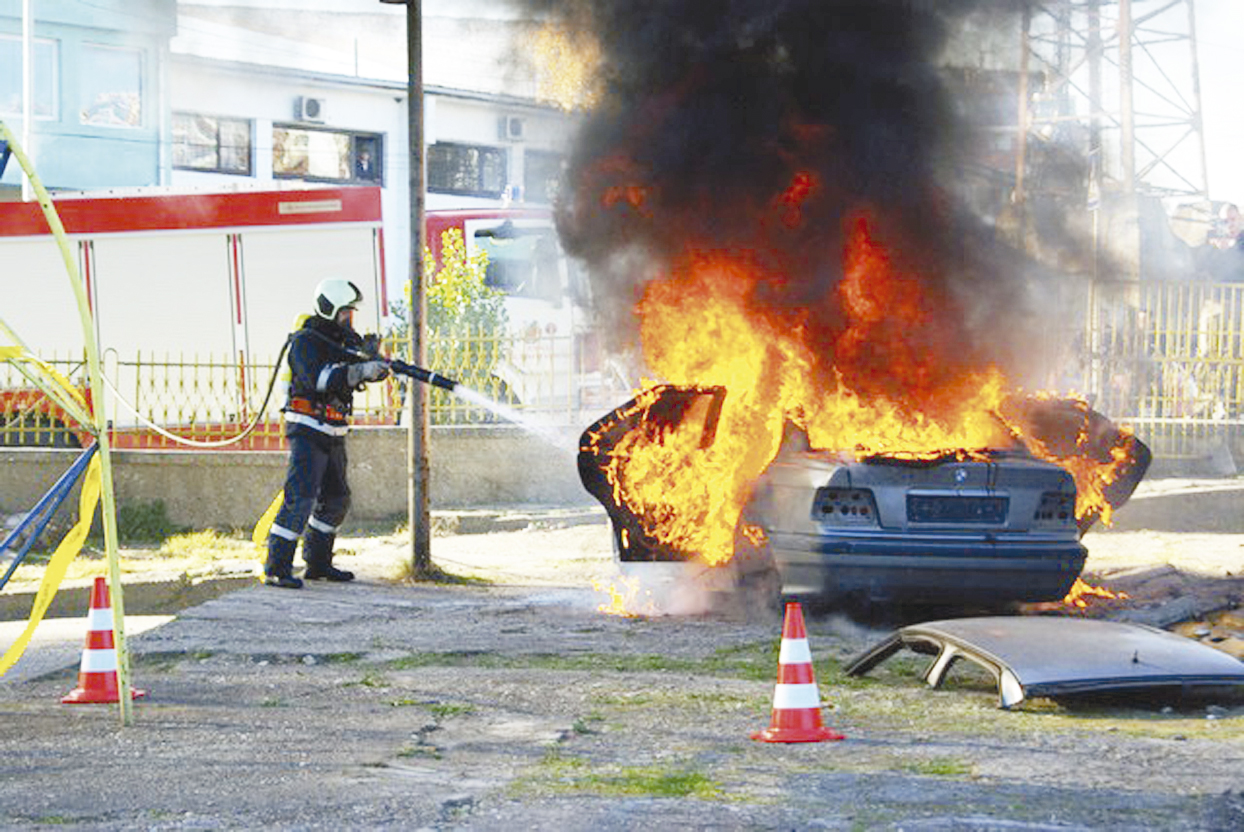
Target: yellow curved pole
x=101 y=421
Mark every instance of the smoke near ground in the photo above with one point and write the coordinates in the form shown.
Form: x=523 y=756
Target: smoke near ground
x=769 y=129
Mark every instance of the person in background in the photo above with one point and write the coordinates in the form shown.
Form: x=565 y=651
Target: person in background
x=327 y=364
x=1229 y=228
x=364 y=167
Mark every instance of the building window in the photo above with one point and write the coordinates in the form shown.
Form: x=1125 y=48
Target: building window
x=327 y=155
x=211 y=143
x=111 y=89
x=542 y=173
x=44 y=68
x=469 y=170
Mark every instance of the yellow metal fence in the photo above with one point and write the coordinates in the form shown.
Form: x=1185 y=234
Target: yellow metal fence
x=1166 y=358
x=211 y=398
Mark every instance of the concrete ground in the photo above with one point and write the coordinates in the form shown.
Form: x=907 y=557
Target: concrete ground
x=511 y=700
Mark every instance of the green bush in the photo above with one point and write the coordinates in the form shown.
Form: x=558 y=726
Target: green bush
x=465 y=322
x=145 y=522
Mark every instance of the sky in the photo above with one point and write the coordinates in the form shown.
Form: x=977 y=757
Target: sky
x=1220 y=51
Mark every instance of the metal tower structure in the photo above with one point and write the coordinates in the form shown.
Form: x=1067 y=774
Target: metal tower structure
x=1121 y=86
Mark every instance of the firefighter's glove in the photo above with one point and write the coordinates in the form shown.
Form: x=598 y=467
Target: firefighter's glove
x=356 y=374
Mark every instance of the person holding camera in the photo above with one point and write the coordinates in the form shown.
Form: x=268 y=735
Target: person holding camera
x=327 y=364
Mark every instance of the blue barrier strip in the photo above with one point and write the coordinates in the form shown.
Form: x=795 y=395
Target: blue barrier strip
x=44 y=510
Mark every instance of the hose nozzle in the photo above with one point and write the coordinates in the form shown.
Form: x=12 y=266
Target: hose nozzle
x=421 y=374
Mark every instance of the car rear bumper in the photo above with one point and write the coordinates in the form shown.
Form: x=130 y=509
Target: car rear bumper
x=987 y=571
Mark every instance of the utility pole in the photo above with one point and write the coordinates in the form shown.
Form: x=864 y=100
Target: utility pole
x=418 y=514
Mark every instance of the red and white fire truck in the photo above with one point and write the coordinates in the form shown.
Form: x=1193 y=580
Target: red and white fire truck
x=225 y=275
x=212 y=277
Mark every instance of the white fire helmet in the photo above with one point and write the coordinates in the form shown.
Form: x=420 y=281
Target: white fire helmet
x=335 y=294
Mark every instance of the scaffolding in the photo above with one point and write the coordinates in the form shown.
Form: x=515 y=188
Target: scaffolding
x=1121 y=82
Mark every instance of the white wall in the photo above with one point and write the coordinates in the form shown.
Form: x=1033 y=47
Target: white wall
x=267 y=97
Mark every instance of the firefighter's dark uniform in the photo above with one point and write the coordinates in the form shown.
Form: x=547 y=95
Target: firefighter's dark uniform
x=317 y=495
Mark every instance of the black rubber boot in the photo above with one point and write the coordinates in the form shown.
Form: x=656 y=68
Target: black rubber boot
x=317 y=551
x=279 y=569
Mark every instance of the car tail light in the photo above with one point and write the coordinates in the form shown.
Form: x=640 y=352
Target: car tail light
x=845 y=507
x=1057 y=509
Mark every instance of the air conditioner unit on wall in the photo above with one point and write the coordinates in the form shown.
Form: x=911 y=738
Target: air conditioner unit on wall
x=512 y=128
x=307 y=108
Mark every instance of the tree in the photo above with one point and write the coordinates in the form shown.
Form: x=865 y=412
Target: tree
x=466 y=323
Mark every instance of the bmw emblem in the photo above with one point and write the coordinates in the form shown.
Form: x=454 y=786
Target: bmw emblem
x=961 y=476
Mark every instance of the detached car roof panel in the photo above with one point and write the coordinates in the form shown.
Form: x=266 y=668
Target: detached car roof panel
x=1056 y=656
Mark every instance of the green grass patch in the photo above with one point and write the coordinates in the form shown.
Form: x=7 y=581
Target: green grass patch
x=341 y=658
x=737 y=663
x=444 y=710
x=589 y=724
x=369 y=680
x=683 y=699
x=558 y=774
x=435 y=575
x=968 y=705
x=948 y=767
x=208 y=543
x=426 y=752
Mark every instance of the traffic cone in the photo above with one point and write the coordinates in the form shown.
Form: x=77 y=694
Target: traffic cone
x=796 y=700
x=97 y=678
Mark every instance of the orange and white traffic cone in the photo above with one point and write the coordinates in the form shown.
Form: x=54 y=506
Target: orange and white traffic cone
x=796 y=699
x=97 y=677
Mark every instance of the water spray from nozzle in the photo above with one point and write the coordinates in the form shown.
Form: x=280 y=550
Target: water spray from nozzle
x=473 y=397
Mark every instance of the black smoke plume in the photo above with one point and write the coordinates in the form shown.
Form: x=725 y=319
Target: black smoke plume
x=769 y=127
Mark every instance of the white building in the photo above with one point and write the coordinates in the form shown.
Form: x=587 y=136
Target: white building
x=266 y=93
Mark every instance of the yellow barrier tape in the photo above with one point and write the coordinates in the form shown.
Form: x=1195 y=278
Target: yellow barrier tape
x=53 y=384
x=69 y=547
x=260 y=535
x=105 y=492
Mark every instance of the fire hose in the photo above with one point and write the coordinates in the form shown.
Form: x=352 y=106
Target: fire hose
x=419 y=374
x=369 y=353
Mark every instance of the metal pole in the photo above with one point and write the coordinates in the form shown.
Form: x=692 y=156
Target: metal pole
x=418 y=515
x=28 y=108
x=1127 y=115
x=1196 y=98
x=1021 y=135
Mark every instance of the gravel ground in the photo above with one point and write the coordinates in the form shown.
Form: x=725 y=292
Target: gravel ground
x=517 y=704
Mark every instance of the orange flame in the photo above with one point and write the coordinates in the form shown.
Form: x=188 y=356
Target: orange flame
x=1080 y=591
x=628 y=600
x=889 y=379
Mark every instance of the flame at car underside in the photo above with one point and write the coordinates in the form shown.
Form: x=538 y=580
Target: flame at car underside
x=894 y=385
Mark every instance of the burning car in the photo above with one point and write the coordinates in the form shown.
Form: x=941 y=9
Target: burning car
x=982 y=527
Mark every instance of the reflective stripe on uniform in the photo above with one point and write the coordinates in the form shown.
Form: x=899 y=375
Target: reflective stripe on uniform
x=321 y=382
x=321 y=526
x=316 y=424
x=281 y=531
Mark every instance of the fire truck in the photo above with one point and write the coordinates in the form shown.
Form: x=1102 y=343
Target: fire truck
x=189 y=277
x=555 y=362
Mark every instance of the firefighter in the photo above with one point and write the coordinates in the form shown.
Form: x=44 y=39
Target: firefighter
x=327 y=364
